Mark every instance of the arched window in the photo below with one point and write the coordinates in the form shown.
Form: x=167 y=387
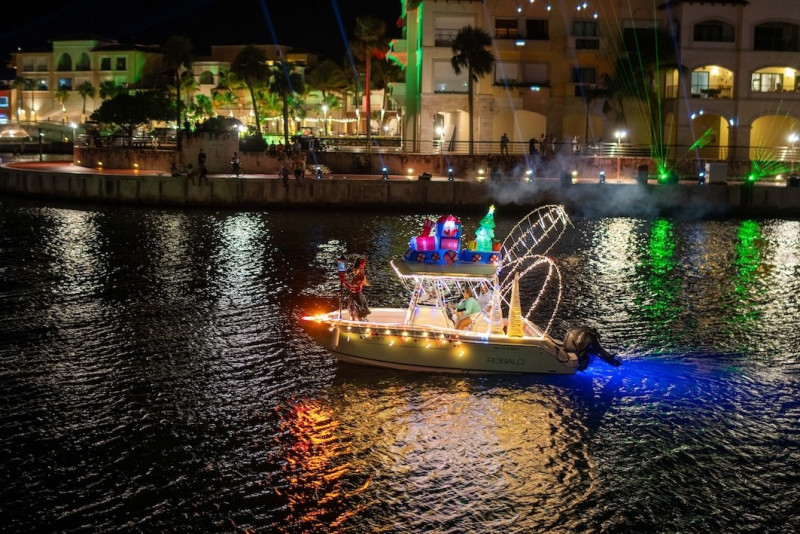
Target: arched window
x=714 y=31
x=206 y=78
x=65 y=62
x=83 y=62
x=777 y=36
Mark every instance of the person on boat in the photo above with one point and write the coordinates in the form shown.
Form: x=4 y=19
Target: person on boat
x=467 y=310
x=356 y=304
x=485 y=298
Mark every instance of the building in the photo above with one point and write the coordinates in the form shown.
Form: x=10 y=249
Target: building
x=723 y=87
x=69 y=62
x=736 y=93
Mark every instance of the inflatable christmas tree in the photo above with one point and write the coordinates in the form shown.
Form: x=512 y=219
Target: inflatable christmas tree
x=484 y=235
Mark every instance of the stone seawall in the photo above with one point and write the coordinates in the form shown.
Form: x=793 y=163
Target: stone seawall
x=590 y=199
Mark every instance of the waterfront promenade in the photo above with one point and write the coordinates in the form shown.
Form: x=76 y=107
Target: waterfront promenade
x=62 y=180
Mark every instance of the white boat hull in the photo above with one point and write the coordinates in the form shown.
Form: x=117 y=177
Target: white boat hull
x=392 y=344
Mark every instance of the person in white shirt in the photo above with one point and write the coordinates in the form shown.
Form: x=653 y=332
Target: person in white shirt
x=485 y=298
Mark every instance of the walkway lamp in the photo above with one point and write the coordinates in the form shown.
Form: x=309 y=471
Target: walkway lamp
x=602 y=177
x=450 y=174
x=384 y=173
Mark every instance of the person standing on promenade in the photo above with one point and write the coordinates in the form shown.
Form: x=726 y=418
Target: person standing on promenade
x=201 y=166
x=284 y=172
x=235 y=164
x=504 y=145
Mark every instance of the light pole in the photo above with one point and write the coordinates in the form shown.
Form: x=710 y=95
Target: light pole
x=620 y=135
x=73 y=126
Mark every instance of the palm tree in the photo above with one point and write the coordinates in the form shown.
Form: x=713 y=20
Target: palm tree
x=250 y=67
x=189 y=86
x=61 y=96
x=471 y=53
x=201 y=108
x=385 y=73
x=224 y=94
x=327 y=77
x=269 y=104
x=285 y=82
x=86 y=90
x=19 y=85
x=329 y=103
x=370 y=35
x=178 y=53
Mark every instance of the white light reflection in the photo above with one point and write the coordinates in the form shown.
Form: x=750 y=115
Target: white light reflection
x=244 y=254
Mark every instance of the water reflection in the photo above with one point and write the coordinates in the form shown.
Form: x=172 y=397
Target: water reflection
x=154 y=374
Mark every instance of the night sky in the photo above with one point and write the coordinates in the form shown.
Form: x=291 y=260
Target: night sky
x=309 y=25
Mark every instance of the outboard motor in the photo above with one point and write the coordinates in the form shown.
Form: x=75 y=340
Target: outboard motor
x=585 y=342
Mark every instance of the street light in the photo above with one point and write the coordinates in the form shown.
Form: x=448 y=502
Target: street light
x=620 y=135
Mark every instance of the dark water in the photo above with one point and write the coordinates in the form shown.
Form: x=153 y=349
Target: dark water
x=153 y=377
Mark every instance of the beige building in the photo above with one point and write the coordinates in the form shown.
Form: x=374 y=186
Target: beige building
x=738 y=93
x=75 y=59
x=67 y=64
x=730 y=91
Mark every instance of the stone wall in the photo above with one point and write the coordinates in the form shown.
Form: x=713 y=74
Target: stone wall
x=594 y=200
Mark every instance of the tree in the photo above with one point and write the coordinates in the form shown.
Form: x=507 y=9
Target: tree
x=285 y=82
x=19 y=85
x=109 y=90
x=61 y=96
x=86 y=90
x=132 y=111
x=224 y=94
x=471 y=53
x=386 y=72
x=250 y=67
x=201 y=108
x=178 y=54
x=327 y=77
x=370 y=35
x=270 y=104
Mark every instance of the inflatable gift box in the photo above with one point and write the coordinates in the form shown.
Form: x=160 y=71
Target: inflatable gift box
x=449 y=243
x=423 y=243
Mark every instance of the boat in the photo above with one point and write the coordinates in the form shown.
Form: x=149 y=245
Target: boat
x=500 y=339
